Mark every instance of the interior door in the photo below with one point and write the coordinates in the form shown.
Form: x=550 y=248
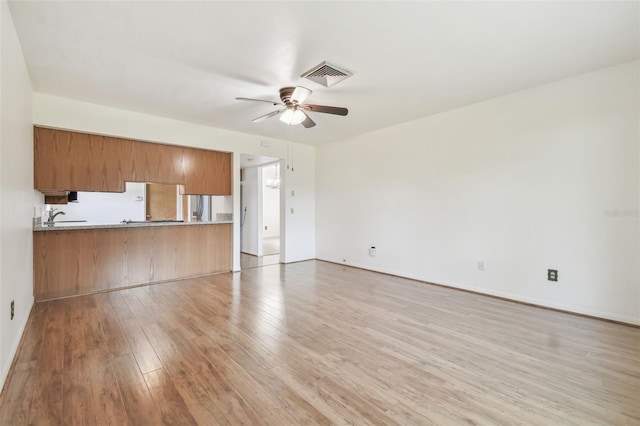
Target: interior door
x=161 y=202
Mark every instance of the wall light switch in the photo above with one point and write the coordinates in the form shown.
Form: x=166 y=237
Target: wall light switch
x=293 y=193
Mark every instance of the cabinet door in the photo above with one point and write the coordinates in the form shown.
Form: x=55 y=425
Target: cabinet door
x=60 y=160
x=207 y=172
x=50 y=148
x=155 y=163
x=170 y=168
x=196 y=173
x=137 y=163
x=76 y=161
x=222 y=174
x=105 y=164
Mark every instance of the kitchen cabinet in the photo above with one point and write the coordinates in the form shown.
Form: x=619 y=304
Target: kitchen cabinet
x=207 y=172
x=150 y=162
x=104 y=164
x=222 y=172
x=75 y=161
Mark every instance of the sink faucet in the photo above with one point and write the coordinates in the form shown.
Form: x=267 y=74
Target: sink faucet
x=52 y=216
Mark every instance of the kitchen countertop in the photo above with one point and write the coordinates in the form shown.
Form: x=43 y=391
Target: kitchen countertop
x=75 y=226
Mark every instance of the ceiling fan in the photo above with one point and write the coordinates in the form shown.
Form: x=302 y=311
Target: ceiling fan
x=295 y=110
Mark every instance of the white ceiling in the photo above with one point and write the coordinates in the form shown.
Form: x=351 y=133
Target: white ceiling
x=189 y=60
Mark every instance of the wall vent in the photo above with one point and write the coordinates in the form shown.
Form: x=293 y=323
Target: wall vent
x=327 y=74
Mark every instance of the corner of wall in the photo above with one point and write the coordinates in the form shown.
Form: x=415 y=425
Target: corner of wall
x=17 y=198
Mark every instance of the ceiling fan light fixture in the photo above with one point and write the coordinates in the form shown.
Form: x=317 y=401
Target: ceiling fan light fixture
x=292 y=116
x=300 y=95
x=295 y=109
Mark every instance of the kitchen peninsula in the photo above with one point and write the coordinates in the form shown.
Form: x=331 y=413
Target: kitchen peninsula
x=72 y=259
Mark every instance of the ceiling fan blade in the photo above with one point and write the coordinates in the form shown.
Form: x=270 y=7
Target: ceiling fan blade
x=264 y=117
x=259 y=100
x=326 y=109
x=300 y=94
x=308 y=122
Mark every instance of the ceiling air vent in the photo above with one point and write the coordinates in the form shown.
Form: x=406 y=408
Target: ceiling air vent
x=327 y=74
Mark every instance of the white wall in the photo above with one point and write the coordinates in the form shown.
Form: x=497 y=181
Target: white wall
x=270 y=203
x=543 y=178
x=299 y=210
x=64 y=113
x=221 y=204
x=99 y=208
x=17 y=197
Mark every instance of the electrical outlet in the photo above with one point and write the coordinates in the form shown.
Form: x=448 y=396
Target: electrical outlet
x=13 y=309
x=480 y=265
x=552 y=274
x=372 y=251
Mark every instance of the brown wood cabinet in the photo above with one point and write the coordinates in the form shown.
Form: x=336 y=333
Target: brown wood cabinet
x=77 y=161
x=155 y=163
x=207 y=172
x=74 y=161
x=71 y=262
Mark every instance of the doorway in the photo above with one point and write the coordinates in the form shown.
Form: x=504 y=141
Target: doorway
x=260 y=205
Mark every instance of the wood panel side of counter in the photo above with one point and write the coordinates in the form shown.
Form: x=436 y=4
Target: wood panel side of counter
x=73 y=262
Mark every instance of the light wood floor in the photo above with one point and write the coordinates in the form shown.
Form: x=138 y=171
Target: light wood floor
x=317 y=343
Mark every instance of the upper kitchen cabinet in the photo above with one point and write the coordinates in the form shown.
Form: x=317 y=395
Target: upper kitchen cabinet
x=154 y=163
x=207 y=172
x=74 y=161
